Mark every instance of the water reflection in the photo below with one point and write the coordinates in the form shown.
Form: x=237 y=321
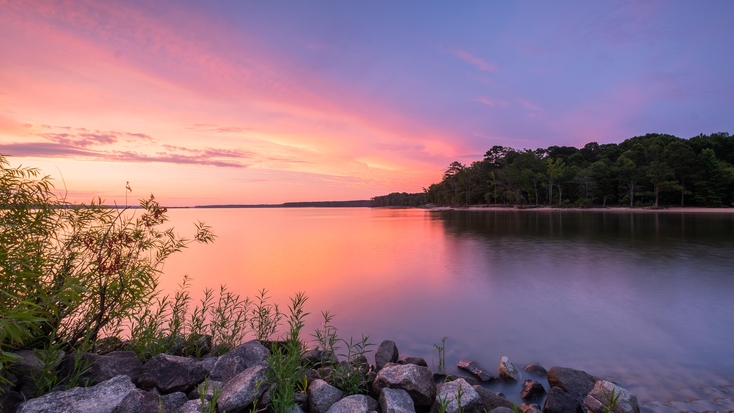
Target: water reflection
x=644 y=299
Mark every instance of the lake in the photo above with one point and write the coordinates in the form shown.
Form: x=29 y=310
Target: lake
x=642 y=299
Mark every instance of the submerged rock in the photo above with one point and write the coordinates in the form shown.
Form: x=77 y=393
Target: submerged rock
x=600 y=396
x=560 y=401
x=490 y=399
x=474 y=368
x=577 y=383
x=536 y=369
x=507 y=370
x=532 y=390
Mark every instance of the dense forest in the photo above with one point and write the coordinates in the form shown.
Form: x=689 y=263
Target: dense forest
x=650 y=170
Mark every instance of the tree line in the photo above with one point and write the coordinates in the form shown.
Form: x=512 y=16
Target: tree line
x=650 y=170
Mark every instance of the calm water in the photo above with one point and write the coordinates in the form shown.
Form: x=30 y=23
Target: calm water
x=644 y=299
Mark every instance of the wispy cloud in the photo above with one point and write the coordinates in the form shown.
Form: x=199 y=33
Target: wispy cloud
x=207 y=127
x=479 y=63
x=529 y=105
x=488 y=100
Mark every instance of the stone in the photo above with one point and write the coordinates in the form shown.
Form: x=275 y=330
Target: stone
x=191 y=406
x=357 y=403
x=172 y=402
x=170 y=374
x=29 y=366
x=532 y=390
x=103 y=367
x=419 y=361
x=508 y=371
x=238 y=360
x=471 y=380
x=243 y=389
x=474 y=368
x=560 y=401
x=321 y=395
x=577 y=383
x=469 y=402
x=105 y=397
x=301 y=398
x=530 y=408
x=490 y=399
x=9 y=399
x=414 y=379
x=536 y=369
x=208 y=364
x=600 y=396
x=206 y=388
x=387 y=352
x=107 y=345
x=396 y=401
x=502 y=409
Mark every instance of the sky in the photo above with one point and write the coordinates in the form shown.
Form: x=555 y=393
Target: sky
x=245 y=102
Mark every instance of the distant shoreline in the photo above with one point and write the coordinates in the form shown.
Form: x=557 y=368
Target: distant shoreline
x=678 y=210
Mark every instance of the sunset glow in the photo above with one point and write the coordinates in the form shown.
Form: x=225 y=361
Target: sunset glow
x=267 y=102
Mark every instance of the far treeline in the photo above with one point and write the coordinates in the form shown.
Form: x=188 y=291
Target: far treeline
x=650 y=170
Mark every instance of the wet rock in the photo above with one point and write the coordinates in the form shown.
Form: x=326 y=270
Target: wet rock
x=600 y=396
x=396 y=401
x=238 y=360
x=474 y=368
x=530 y=408
x=471 y=380
x=502 y=409
x=105 y=397
x=532 y=390
x=560 y=401
x=242 y=389
x=357 y=403
x=207 y=389
x=414 y=379
x=577 y=383
x=102 y=367
x=321 y=395
x=469 y=402
x=490 y=399
x=418 y=361
x=387 y=352
x=536 y=369
x=507 y=370
x=170 y=374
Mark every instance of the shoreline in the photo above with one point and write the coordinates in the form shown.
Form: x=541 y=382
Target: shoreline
x=676 y=210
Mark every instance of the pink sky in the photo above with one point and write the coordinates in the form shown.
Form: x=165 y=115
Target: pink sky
x=243 y=103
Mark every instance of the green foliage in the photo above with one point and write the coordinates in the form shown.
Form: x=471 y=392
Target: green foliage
x=264 y=317
x=351 y=374
x=612 y=400
x=441 y=349
x=209 y=406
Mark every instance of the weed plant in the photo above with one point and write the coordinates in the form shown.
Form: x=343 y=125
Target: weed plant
x=441 y=349
x=264 y=317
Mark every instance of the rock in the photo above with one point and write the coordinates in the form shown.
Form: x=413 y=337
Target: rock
x=206 y=388
x=577 y=383
x=601 y=394
x=170 y=374
x=469 y=402
x=9 y=399
x=357 y=403
x=416 y=380
x=29 y=366
x=105 y=397
x=471 y=380
x=396 y=401
x=536 y=369
x=502 y=409
x=238 y=360
x=560 y=401
x=107 y=345
x=530 y=408
x=242 y=389
x=102 y=367
x=208 y=364
x=507 y=370
x=490 y=399
x=387 y=352
x=300 y=398
x=172 y=402
x=418 y=361
x=321 y=395
x=532 y=390
x=191 y=406
x=473 y=368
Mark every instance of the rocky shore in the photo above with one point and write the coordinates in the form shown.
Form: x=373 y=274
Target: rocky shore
x=118 y=382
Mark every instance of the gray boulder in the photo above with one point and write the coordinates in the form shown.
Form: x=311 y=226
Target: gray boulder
x=536 y=369
x=490 y=399
x=560 y=401
x=238 y=360
x=191 y=406
x=357 y=403
x=420 y=361
x=474 y=368
x=172 y=402
x=106 y=397
x=208 y=364
x=532 y=390
x=508 y=371
x=103 y=367
x=170 y=374
x=243 y=389
x=207 y=388
x=600 y=396
x=469 y=402
x=387 y=352
x=29 y=366
x=502 y=409
x=321 y=395
x=577 y=383
x=396 y=401
x=414 y=379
